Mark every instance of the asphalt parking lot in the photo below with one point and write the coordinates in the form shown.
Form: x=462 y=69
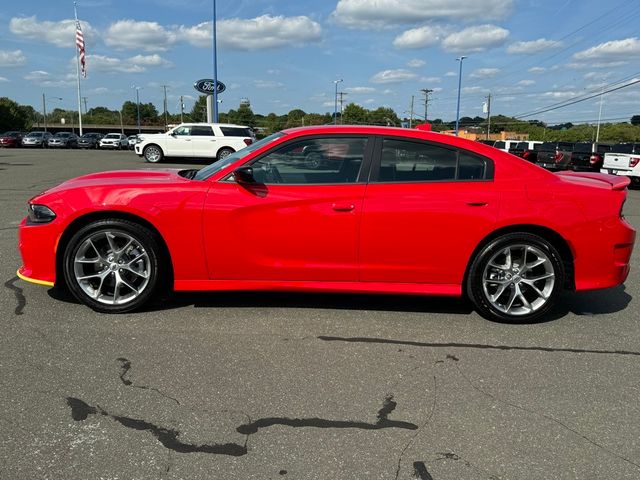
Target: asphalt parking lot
x=266 y=386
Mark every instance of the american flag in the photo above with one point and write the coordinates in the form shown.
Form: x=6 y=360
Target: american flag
x=80 y=45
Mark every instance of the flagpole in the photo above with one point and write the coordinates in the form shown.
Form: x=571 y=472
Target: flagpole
x=75 y=11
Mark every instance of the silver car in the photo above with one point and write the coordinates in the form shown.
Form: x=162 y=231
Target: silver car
x=36 y=139
x=115 y=141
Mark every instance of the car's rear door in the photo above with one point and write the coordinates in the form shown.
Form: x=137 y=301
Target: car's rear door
x=426 y=207
x=203 y=141
x=298 y=222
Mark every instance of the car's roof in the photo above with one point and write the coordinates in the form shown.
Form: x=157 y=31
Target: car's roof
x=212 y=124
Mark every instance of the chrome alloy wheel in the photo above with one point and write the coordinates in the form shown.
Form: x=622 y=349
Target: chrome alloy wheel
x=112 y=267
x=518 y=279
x=152 y=154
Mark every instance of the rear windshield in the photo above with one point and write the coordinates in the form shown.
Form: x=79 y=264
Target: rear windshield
x=583 y=147
x=548 y=146
x=623 y=148
x=236 y=132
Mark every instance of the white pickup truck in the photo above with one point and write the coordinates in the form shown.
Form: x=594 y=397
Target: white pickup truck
x=623 y=159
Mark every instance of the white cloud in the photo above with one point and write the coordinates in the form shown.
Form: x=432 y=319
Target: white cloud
x=4 y=79
x=393 y=76
x=259 y=33
x=416 y=63
x=589 y=64
x=378 y=14
x=526 y=83
x=430 y=79
x=451 y=74
x=537 y=70
x=61 y=34
x=154 y=60
x=360 y=90
x=131 y=34
x=474 y=89
x=45 y=79
x=12 y=59
x=485 y=73
x=136 y=64
x=476 y=39
x=557 y=94
x=420 y=37
x=612 y=51
x=533 y=47
x=267 y=84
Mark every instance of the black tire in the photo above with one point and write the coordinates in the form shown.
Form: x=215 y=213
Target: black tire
x=153 y=153
x=113 y=265
x=516 y=278
x=313 y=160
x=224 y=153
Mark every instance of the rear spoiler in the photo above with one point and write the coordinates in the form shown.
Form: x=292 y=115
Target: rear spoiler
x=617 y=182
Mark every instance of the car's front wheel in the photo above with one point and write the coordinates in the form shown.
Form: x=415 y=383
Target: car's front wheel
x=112 y=266
x=153 y=154
x=516 y=278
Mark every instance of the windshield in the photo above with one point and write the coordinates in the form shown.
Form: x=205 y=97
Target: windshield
x=35 y=134
x=89 y=135
x=62 y=135
x=113 y=135
x=215 y=167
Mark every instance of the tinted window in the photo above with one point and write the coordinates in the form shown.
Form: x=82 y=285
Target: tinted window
x=236 y=132
x=202 y=131
x=623 y=148
x=406 y=161
x=499 y=144
x=312 y=161
x=521 y=146
x=548 y=147
x=582 y=147
x=536 y=146
x=604 y=148
x=565 y=146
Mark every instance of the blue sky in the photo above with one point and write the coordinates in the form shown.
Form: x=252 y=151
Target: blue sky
x=285 y=54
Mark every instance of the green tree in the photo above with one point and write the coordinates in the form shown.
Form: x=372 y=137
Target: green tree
x=354 y=114
x=199 y=110
x=383 y=116
x=13 y=117
x=635 y=120
x=294 y=118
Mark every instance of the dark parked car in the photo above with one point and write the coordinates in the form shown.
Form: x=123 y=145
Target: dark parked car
x=89 y=140
x=36 y=139
x=63 y=140
x=587 y=157
x=555 y=155
x=527 y=150
x=11 y=139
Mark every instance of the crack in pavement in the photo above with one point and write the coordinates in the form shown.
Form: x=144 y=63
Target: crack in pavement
x=17 y=291
x=548 y=417
x=479 y=346
x=80 y=411
x=125 y=366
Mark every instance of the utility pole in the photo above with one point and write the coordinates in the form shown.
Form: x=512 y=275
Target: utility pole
x=181 y=109
x=426 y=92
x=488 y=115
x=342 y=94
x=411 y=113
x=165 y=106
x=44 y=112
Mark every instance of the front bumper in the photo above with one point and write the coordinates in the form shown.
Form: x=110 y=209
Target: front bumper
x=37 y=245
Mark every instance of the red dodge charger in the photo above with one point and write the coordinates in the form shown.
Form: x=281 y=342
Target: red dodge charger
x=336 y=209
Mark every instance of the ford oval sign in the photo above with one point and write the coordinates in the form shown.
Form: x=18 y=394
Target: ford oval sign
x=206 y=86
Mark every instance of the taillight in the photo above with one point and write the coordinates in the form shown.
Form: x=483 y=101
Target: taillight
x=595 y=159
x=633 y=161
x=526 y=154
x=248 y=141
x=559 y=156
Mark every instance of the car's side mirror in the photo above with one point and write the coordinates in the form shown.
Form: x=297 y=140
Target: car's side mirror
x=244 y=175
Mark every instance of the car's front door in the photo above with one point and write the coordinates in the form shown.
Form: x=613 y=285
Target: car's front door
x=425 y=209
x=299 y=221
x=178 y=143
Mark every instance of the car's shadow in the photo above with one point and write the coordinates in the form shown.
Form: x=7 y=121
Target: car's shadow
x=586 y=303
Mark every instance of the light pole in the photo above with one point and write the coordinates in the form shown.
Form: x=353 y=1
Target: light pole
x=44 y=109
x=335 y=106
x=138 y=104
x=459 y=85
x=593 y=148
x=215 y=67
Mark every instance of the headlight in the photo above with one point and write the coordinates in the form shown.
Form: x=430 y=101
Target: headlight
x=40 y=214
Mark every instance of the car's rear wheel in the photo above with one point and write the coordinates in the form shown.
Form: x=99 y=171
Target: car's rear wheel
x=153 y=154
x=224 y=153
x=516 y=278
x=113 y=265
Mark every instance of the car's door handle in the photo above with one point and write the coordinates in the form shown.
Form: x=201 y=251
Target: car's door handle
x=343 y=207
x=477 y=204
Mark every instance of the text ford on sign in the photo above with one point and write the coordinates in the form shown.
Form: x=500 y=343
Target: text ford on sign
x=206 y=86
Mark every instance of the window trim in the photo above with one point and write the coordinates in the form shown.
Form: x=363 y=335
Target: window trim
x=377 y=160
x=363 y=174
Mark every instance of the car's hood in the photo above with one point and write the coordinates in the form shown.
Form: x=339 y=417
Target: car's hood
x=138 y=178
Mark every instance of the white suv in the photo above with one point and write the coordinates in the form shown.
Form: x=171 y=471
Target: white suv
x=203 y=140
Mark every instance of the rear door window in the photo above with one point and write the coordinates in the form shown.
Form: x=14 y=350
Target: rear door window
x=202 y=131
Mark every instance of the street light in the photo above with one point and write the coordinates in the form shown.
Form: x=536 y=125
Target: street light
x=215 y=66
x=138 y=104
x=335 y=107
x=44 y=108
x=459 y=84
